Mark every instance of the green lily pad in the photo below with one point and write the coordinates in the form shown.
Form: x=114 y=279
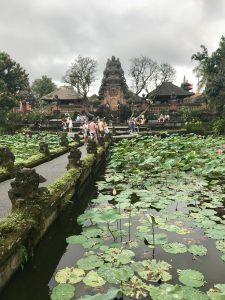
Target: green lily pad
x=93 y=243
x=175 y=248
x=76 y=239
x=63 y=291
x=90 y=262
x=193 y=294
x=191 y=278
x=197 y=250
x=217 y=293
x=115 y=275
x=118 y=256
x=220 y=245
x=155 y=270
x=135 y=288
x=110 y=295
x=93 y=279
x=69 y=275
x=159 y=239
x=166 y=291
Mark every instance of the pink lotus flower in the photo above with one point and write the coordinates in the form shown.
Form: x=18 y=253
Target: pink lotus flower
x=219 y=151
x=223 y=145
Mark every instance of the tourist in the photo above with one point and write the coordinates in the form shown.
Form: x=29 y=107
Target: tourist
x=85 y=132
x=161 y=118
x=92 y=127
x=101 y=127
x=167 y=117
x=106 y=128
x=64 y=125
x=70 y=125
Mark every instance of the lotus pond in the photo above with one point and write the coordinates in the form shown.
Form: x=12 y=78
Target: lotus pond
x=156 y=226
x=156 y=229
x=24 y=146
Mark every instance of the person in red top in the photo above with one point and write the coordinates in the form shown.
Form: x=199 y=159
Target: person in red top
x=92 y=129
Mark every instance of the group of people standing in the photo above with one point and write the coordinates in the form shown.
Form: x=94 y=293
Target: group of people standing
x=134 y=123
x=163 y=118
x=67 y=124
x=94 y=128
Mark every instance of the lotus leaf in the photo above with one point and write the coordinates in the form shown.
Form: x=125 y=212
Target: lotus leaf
x=166 y=291
x=93 y=243
x=93 y=279
x=223 y=257
x=63 y=291
x=193 y=294
x=217 y=293
x=175 y=248
x=135 y=288
x=220 y=245
x=155 y=271
x=115 y=275
x=191 y=278
x=106 y=216
x=92 y=232
x=111 y=294
x=159 y=239
x=69 y=275
x=216 y=233
x=118 y=256
x=76 y=239
x=90 y=262
x=197 y=250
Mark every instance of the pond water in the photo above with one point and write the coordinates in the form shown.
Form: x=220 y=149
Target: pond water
x=33 y=281
x=153 y=229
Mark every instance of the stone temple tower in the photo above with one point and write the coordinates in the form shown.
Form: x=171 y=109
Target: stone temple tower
x=113 y=90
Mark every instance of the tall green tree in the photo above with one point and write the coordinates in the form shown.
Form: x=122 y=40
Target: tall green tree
x=13 y=78
x=211 y=73
x=43 y=86
x=82 y=74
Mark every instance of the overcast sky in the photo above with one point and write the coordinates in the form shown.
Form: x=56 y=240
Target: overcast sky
x=45 y=36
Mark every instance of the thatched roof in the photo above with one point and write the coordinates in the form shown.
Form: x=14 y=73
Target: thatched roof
x=168 y=89
x=63 y=93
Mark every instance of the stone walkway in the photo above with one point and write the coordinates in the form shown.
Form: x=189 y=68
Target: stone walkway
x=50 y=170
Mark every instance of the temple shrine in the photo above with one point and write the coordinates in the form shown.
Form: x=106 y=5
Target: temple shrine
x=113 y=90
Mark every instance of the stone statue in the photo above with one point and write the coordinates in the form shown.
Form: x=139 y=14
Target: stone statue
x=43 y=148
x=91 y=147
x=7 y=158
x=25 y=187
x=64 y=140
x=74 y=158
x=76 y=138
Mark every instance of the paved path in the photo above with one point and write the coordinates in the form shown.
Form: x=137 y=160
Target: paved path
x=51 y=170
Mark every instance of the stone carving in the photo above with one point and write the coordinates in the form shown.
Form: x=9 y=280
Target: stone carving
x=74 y=158
x=101 y=140
x=91 y=147
x=7 y=158
x=25 y=187
x=76 y=138
x=43 y=148
x=64 y=140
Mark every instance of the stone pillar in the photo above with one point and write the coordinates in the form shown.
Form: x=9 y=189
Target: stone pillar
x=25 y=188
x=7 y=158
x=91 y=147
x=76 y=138
x=43 y=148
x=64 y=140
x=101 y=140
x=74 y=158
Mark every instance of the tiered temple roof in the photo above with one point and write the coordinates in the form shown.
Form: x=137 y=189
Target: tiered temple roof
x=113 y=76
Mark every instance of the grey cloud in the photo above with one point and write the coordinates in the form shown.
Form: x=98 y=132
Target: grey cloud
x=46 y=35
